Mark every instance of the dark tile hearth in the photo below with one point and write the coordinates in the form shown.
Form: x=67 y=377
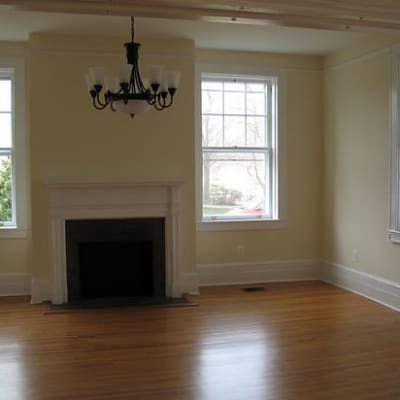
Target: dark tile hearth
x=119 y=302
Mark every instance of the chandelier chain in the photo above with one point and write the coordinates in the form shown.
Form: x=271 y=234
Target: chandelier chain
x=133 y=29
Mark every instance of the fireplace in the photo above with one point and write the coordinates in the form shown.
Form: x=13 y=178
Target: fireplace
x=115 y=222
x=110 y=258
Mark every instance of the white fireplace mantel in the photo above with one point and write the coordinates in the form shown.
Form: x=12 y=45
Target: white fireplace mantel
x=111 y=201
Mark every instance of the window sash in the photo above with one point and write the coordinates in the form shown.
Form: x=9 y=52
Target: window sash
x=269 y=140
x=8 y=74
x=267 y=192
x=9 y=153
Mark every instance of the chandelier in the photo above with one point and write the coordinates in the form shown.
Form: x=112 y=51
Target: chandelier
x=128 y=92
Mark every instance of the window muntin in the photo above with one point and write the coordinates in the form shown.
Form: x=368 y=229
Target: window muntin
x=238 y=154
x=7 y=187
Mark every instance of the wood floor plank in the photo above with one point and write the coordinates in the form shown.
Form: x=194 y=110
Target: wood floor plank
x=297 y=341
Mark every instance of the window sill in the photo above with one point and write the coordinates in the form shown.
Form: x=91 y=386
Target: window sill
x=394 y=236
x=247 y=225
x=13 y=233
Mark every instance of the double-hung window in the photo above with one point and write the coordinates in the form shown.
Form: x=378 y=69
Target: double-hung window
x=7 y=203
x=394 y=228
x=13 y=207
x=239 y=150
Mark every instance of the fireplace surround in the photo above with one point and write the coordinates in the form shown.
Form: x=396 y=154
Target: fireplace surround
x=114 y=201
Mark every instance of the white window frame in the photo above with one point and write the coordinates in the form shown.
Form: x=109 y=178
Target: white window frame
x=279 y=217
x=14 y=68
x=394 y=229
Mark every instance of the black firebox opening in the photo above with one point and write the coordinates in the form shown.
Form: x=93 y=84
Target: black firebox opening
x=115 y=258
x=116 y=269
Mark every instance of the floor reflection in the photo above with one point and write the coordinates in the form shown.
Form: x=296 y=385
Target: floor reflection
x=12 y=386
x=236 y=364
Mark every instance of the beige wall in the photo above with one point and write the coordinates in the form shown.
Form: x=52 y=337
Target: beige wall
x=304 y=122
x=356 y=145
x=72 y=142
x=15 y=254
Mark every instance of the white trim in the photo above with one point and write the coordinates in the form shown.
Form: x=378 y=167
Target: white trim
x=13 y=233
x=247 y=225
x=280 y=219
x=373 y=287
x=258 y=272
x=394 y=228
x=15 y=284
x=394 y=236
x=40 y=291
x=190 y=283
x=380 y=290
x=115 y=200
x=17 y=67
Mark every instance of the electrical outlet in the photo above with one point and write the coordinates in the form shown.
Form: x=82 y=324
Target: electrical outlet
x=240 y=250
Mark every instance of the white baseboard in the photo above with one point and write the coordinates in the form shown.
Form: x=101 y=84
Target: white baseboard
x=190 y=283
x=15 y=284
x=375 y=288
x=273 y=271
x=40 y=291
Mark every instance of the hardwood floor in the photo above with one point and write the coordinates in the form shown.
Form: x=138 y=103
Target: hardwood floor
x=294 y=341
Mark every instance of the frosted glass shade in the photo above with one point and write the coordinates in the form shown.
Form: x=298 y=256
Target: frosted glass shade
x=132 y=107
x=172 y=78
x=97 y=75
x=124 y=73
x=112 y=84
x=155 y=74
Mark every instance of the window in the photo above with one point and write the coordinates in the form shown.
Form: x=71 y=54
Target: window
x=239 y=158
x=7 y=210
x=394 y=229
x=13 y=214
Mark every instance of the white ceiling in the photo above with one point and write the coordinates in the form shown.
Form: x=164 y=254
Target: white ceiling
x=17 y=25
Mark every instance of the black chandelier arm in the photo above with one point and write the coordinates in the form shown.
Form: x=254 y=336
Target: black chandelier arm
x=160 y=101
x=98 y=103
x=99 y=106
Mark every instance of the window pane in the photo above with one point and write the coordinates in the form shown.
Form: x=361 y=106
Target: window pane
x=5 y=95
x=5 y=190
x=256 y=104
x=234 y=184
x=5 y=130
x=211 y=102
x=212 y=126
x=256 y=87
x=234 y=103
x=256 y=131
x=234 y=86
x=211 y=85
x=234 y=131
